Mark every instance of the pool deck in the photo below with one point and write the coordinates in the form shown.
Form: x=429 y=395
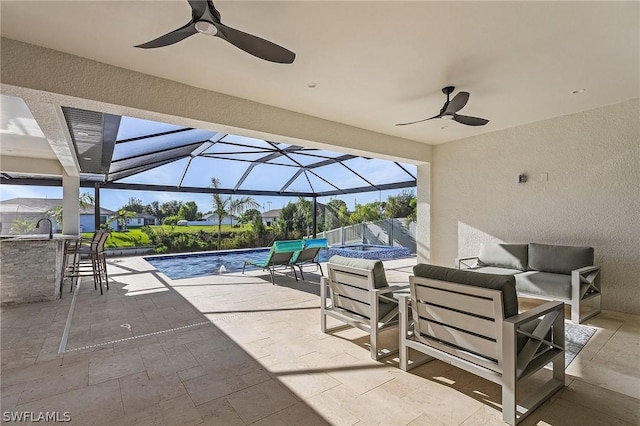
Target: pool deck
x=234 y=349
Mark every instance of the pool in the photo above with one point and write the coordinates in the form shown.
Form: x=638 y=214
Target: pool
x=188 y=265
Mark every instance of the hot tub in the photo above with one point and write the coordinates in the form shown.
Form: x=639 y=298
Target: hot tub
x=370 y=251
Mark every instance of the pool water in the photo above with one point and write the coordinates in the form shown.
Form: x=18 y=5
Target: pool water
x=188 y=265
x=179 y=266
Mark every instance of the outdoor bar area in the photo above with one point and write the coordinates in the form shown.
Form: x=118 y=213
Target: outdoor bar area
x=31 y=267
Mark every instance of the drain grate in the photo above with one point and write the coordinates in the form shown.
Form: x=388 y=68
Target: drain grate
x=126 y=339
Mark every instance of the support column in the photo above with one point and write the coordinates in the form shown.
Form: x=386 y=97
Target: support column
x=314 y=223
x=424 y=223
x=70 y=204
x=96 y=206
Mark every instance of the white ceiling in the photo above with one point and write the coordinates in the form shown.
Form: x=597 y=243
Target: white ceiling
x=375 y=63
x=19 y=132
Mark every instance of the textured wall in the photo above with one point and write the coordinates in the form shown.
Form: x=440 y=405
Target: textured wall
x=591 y=197
x=43 y=75
x=31 y=271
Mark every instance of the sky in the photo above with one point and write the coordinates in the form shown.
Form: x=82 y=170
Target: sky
x=198 y=171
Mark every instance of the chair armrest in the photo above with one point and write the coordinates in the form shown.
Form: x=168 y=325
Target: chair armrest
x=534 y=313
x=461 y=261
x=586 y=269
x=381 y=293
x=586 y=275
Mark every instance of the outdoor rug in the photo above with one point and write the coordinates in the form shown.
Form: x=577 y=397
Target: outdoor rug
x=575 y=336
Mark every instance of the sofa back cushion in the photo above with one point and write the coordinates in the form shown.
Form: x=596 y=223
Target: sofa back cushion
x=558 y=259
x=505 y=283
x=512 y=256
x=379 y=277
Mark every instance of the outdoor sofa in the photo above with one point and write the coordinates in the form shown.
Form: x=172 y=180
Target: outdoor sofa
x=549 y=272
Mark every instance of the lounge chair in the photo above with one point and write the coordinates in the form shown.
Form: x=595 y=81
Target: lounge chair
x=280 y=255
x=309 y=254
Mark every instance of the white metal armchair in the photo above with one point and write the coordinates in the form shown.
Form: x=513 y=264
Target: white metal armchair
x=467 y=320
x=356 y=293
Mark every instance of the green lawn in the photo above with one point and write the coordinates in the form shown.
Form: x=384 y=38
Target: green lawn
x=132 y=238
x=198 y=228
x=135 y=237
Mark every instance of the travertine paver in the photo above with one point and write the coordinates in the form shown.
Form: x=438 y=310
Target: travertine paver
x=236 y=350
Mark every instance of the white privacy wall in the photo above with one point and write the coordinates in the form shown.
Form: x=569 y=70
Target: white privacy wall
x=583 y=189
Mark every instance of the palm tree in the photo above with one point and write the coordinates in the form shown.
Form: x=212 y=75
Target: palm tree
x=226 y=206
x=121 y=217
x=240 y=205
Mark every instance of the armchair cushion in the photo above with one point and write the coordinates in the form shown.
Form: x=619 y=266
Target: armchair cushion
x=544 y=284
x=505 y=283
x=558 y=259
x=512 y=256
x=379 y=277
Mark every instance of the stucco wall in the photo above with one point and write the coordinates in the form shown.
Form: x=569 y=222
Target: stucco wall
x=591 y=197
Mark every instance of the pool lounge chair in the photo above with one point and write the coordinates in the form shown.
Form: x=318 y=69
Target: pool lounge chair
x=309 y=254
x=280 y=255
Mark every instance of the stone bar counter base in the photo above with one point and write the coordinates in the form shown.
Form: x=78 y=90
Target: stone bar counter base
x=30 y=269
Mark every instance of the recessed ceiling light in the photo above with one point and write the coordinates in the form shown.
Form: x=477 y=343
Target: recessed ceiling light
x=312 y=85
x=82 y=134
x=577 y=91
x=87 y=158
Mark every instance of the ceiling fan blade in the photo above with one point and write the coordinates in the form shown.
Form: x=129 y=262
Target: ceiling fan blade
x=457 y=103
x=171 y=38
x=198 y=8
x=470 y=121
x=419 y=121
x=256 y=46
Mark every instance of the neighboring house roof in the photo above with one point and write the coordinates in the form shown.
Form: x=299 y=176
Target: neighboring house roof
x=274 y=213
x=145 y=216
x=211 y=216
x=20 y=209
x=45 y=204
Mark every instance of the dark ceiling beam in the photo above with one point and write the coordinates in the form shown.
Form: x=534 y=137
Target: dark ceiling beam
x=405 y=170
x=155 y=135
x=290 y=181
x=330 y=161
x=125 y=173
x=110 y=127
x=160 y=151
x=165 y=188
x=384 y=187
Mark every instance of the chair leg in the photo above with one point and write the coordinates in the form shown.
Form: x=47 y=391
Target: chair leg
x=104 y=265
x=320 y=266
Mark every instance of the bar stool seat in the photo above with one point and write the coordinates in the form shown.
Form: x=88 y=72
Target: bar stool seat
x=86 y=260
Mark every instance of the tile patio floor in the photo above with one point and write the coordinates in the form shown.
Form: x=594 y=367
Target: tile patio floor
x=236 y=350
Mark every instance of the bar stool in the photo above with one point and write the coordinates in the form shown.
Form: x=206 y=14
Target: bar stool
x=82 y=260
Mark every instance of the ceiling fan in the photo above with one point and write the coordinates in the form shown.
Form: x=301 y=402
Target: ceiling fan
x=205 y=19
x=450 y=108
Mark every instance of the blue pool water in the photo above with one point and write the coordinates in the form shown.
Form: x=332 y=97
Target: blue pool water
x=188 y=265
x=178 y=266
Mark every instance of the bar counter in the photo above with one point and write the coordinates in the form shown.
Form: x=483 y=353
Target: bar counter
x=31 y=267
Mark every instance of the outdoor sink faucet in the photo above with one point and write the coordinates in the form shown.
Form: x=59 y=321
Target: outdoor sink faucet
x=50 y=227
